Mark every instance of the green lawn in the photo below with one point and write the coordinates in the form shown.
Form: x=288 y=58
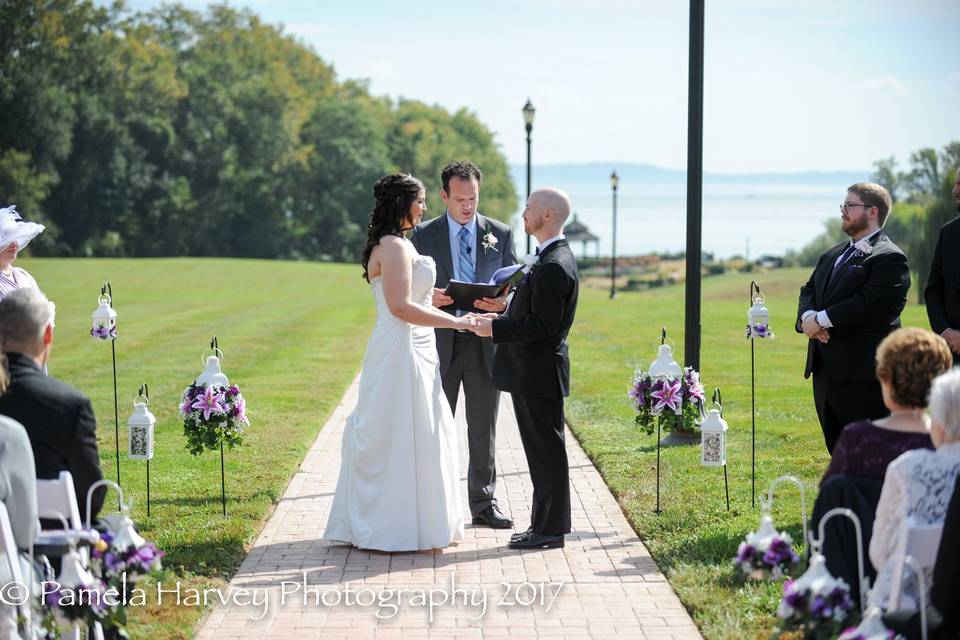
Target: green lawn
x=293 y=336
x=695 y=537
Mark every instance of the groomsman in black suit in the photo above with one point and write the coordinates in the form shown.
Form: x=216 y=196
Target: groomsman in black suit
x=851 y=302
x=58 y=419
x=469 y=247
x=942 y=294
x=533 y=364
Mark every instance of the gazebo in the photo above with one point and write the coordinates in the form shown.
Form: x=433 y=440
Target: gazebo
x=576 y=231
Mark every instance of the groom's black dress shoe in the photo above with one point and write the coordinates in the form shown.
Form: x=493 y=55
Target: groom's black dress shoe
x=534 y=540
x=492 y=518
x=521 y=534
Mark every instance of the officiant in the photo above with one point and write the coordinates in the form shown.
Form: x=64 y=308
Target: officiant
x=469 y=247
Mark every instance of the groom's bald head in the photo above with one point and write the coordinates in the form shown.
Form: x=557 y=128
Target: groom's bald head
x=546 y=213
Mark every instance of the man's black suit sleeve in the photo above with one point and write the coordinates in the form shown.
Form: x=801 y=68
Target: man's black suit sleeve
x=83 y=460
x=883 y=295
x=807 y=298
x=934 y=294
x=550 y=286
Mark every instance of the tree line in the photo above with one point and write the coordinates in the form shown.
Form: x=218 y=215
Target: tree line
x=922 y=203
x=174 y=132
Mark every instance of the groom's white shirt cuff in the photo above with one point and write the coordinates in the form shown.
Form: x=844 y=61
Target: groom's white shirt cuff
x=822 y=318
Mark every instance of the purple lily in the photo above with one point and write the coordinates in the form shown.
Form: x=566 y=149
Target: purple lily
x=668 y=396
x=210 y=402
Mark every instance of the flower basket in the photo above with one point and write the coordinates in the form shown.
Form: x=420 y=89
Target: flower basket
x=213 y=415
x=766 y=554
x=817 y=604
x=675 y=403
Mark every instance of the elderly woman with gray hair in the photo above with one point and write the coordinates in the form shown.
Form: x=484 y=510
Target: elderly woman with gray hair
x=918 y=485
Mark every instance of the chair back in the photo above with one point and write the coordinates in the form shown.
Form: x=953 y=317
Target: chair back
x=919 y=542
x=58 y=495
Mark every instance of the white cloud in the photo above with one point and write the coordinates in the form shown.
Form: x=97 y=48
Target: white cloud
x=886 y=84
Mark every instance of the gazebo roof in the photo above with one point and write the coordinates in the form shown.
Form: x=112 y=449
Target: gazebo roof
x=576 y=231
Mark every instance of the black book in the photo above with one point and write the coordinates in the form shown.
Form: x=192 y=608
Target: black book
x=464 y=294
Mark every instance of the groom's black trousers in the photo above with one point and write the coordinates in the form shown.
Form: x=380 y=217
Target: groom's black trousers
x=541 y=429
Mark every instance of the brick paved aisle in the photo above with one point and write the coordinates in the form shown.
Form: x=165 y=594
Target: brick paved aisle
x=611 y=588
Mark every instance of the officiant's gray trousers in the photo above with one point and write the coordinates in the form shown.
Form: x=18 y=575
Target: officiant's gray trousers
x=481 y=399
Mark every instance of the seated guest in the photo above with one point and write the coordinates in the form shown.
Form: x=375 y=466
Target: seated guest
x=907 y=361
x=943 y=615
x=18 y=493
x=58 y=419
x=918 y=485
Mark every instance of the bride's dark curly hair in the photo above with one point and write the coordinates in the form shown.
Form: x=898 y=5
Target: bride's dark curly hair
x=394 y=194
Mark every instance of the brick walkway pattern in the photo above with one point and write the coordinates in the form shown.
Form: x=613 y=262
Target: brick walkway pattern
x=603 y=584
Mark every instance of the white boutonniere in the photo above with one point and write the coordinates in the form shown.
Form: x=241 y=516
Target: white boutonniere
x=489 y=241
x=863 y=246
x=531 y=260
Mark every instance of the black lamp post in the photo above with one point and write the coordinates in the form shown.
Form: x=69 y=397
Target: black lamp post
x=614 y=183
x=528 y=113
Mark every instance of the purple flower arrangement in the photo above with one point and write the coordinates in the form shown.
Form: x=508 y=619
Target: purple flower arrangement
x=677 y=403
x=213 y=415
x=819 y=606
x=766 y=553
x=759 y=330
x=81 y=603
x=101 y=331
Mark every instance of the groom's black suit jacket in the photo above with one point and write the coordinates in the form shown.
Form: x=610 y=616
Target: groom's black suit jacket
x=863 y=301
x=942 y=294
x=531 y=337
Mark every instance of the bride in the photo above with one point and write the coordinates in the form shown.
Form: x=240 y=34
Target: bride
x=399 y=483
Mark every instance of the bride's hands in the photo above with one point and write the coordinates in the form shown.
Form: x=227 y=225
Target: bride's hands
x=465 y=322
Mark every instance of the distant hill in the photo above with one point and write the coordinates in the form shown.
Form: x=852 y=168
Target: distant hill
x=599 y=172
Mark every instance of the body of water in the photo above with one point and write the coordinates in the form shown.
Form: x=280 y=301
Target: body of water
x=767 y=218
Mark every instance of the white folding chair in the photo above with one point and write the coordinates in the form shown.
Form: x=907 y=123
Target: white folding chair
x=58 y=495
x=58 y=498
x=10 y=557
x=918 y=547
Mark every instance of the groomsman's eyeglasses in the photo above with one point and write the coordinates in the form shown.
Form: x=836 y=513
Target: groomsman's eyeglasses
x=849 y=205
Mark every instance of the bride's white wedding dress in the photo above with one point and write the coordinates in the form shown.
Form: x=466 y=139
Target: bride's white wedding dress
x=399 y=483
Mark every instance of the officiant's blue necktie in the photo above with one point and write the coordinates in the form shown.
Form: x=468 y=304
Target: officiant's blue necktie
x=466 y=265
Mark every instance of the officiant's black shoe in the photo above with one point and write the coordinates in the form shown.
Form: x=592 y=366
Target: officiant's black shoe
x=537 y=541
x=491 y=517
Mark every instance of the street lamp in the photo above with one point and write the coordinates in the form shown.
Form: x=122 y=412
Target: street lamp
x=614 y=183
x=528 y=113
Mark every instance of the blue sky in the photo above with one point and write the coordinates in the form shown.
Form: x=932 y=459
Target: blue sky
x=790 y=85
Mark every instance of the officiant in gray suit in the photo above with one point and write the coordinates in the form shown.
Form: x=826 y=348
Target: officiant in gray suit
x=469 y=247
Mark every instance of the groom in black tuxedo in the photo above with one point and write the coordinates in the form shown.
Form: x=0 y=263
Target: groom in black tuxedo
x=942 y=294
x=851 y=302
x=533 y=365
x=469 y=247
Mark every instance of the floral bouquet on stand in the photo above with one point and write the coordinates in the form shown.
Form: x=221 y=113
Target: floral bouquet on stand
x=816 y=604
x=79 y=600
x=213 y=415
x=766 y=553
x=675 y=402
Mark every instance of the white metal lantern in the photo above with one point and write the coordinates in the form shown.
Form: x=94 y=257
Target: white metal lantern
x=212 y=375
x=104 y=318
x=665 y=366
x=713 y=440
x=124 y=533
x=141 y=427
x=758 y=314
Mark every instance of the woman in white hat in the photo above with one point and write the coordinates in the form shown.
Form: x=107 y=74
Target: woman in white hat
x=14 y=236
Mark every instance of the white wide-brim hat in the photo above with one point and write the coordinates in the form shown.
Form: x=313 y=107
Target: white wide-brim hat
x=14 y=229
